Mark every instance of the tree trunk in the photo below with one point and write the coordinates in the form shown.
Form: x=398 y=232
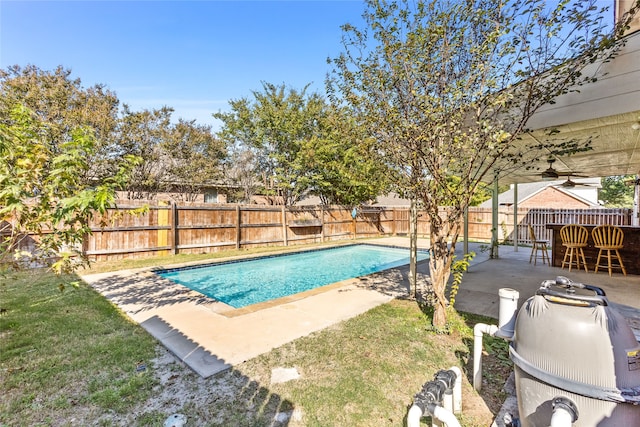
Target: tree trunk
x=440 y=259
x=439 y=278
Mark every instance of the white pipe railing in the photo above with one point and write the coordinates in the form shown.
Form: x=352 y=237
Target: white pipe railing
x=506 y=329
x=414 y=415
x=446 y=417
x=457 y=390
x=478 y=330
x=508 y=312
x=439 y=416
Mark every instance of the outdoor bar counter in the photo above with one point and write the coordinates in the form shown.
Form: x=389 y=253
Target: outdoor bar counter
x=630 y=252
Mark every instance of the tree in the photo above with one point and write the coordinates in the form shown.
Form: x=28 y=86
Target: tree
x=244 y=174
x=302 y=146
x=64 y=104
x=345 y=168
x=276 y=124
x=142 y=134
x=617 y=191
x=43 y=193
x=195 y=157
x=446 y=88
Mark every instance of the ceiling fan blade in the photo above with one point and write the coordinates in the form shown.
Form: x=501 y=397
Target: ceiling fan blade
x=572 y=174
x=571 y=184
x=551 y=174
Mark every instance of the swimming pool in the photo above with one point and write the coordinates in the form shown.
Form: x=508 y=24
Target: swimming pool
x=247 y=282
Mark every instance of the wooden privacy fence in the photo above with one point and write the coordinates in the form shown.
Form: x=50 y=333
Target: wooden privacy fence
x=173 y=229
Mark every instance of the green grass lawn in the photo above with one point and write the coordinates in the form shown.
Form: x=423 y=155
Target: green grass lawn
x=69 y=357
x=63 y=349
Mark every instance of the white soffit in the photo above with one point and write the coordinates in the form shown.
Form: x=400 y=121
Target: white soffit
x=606 y=111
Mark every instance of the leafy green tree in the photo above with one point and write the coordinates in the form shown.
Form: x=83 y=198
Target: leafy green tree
x=195 y=157
x=617 y=191
x=45 y=204
x=64 y=104
x=302 y=146
x=276 y=123
x=482 y=193
x=243 y=173
x=345 y=167
x=143 y=134
x=446 y=89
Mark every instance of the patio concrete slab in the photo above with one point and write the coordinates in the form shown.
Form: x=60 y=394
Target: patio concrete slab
x=210 y=336
x=479 y=291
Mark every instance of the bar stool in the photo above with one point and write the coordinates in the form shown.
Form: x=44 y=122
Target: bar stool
x=538 y=246
x=608 y=238
x=574 y=238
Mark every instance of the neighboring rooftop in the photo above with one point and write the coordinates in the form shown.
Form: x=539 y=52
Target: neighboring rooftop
x=585 y=192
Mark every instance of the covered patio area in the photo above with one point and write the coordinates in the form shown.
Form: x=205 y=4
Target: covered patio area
x=478 y=293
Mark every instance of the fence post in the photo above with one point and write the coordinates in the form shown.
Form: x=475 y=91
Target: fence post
x=284 y=226
x=238 y=227
x=516 y=235
x=322 y=223
x=393 y=221
x=174 y=228
x=163 y=221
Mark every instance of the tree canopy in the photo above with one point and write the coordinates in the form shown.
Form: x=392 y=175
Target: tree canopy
x=174 y=156
x=196 y=157
x=617 y=191
x=64 y=104
x=65 y=151
x=303 y=146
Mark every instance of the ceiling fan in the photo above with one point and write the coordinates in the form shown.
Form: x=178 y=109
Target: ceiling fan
x=550 y=174
x=571 y=184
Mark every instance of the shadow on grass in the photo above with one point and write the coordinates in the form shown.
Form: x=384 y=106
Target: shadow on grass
x=70 y=355
x=219 y=394
x=496 y=363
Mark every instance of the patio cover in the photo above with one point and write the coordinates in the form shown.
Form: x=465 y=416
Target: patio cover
x=607 y=110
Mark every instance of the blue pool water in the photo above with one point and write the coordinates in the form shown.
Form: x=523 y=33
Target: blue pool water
x=247 y=282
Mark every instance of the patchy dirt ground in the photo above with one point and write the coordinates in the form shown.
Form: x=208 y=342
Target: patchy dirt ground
x=233 y=399
x=181 y=391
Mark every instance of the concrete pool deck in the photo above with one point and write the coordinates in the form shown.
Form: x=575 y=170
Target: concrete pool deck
x=210 y=336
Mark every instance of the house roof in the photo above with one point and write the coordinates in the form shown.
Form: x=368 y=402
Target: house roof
x=528 y=190
x=391 y=199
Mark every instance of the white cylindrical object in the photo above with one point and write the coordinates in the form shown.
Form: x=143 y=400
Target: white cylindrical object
x=457 y=390
x=508 y=311
x=447 y=400
x=478 y=330
x=414 y=415
x=561 y=418
x=446 y=417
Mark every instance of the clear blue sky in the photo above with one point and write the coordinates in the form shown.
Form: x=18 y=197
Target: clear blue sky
x=193 y=56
